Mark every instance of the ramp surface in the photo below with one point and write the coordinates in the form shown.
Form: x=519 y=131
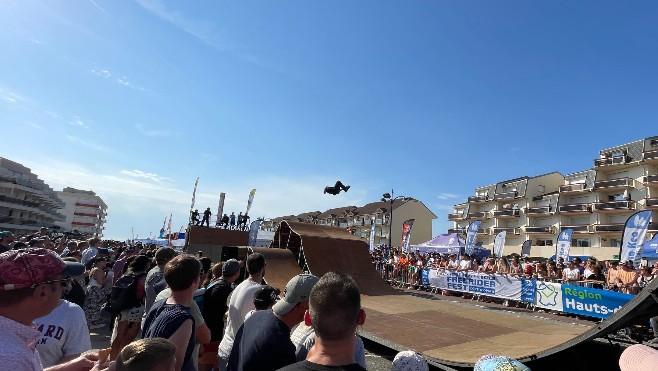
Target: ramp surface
x=280 y=266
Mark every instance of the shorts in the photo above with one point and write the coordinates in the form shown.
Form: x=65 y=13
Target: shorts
x=131 y=315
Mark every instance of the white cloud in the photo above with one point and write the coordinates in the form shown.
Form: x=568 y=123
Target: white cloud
x=10 y=96
x=91 y=145
x=151 y=132
x=35 y=41
x=447 y=196
x=144 y=175
x=77 y=121
x=36 y=126
x=125 y=82
x=100 y=8
x=101 y=73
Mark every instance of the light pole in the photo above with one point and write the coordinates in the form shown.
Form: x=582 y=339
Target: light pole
x=390 y=197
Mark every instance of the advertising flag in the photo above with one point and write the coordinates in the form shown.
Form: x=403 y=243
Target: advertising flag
x=499 y=243
x=251 y=200
x=169 y=229
x=470 y=236
x=525 y=248
x=372 y=235
x=253 y=232
x=406 y=234
x=632 y=238
x=220 y=208
x=564 y=244
x=196 y=183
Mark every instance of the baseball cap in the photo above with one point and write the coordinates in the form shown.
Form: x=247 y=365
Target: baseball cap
x=409 y=361
x=492 y=362
x=230 y=267
x=20 y=269
x=638 y=357
x=297 y=290
x=164 y=254
x=265 y=296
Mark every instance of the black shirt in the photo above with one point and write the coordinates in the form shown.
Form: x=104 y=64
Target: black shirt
x=164 y=320
x=215 y=305
x=310 y=366
x=261 y=344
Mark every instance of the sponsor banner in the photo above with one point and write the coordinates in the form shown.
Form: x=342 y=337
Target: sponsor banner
x=251 y=200
x=499 y=243
x=196 y=183
x=528 y=289
x=253 y=232
x=406 y=234
x=425 y=277
x=500 y=286
x=633 y=237
x=220 y=209
x=579 y=300
x=564 y=244
x=470 y=236
x=525 y=248
x=372 y=235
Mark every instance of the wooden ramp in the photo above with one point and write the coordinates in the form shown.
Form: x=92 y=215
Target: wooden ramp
x=280 y=267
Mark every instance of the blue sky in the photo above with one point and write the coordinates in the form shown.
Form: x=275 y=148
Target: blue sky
x=135 y=99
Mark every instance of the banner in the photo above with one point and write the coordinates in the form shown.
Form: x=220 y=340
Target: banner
x=499 y=244
x=220 y=209
x=579 y=300
x=564 y=244
x=251 y=200
x=406 y=234
x=525 y=248
x=196 y=183
x=500 y=286
x=632 y=238
x=253 y=232
x=169 y=229
x=470 y=236
x=372 y=235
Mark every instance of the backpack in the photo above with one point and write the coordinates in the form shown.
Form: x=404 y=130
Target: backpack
x=124 y=294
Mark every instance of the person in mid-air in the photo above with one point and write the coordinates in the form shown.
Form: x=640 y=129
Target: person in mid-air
x=336 y=188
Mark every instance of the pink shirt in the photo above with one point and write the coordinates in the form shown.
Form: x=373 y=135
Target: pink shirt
x=18 y=350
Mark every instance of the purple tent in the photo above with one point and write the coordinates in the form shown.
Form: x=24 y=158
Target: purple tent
x=450 y=243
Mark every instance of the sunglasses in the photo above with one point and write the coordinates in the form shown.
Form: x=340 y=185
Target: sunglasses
x=64 y=281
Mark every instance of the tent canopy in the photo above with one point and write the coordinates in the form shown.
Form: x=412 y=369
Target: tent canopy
x=450 y=243
x=650 y=249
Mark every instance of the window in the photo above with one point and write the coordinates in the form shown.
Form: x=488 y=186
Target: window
x=615 y=242
x=581 y=242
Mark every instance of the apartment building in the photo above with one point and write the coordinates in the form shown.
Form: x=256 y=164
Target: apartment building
x=594 y=203
x=84 y=211
x=387 y=217
x=26 y=202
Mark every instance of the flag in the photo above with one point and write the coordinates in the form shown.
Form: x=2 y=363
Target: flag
x=196 y=183
x=251 y=200
x=220 y=208
x=632 y=238
x=372 y=235
x=470 y=236
x=406 y=234
x=253 y=232
x=499 y=243
x=169 y=229
x=525 y=248
x=564 y=244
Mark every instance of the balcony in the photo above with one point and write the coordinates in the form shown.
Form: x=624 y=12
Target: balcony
x=653 y=227
x=456 y=230
x=537 y=211
x=507 y=213
x=479 y=215
x=650 y=180
x=573 y=188
x=539 y=230
x=612 y=162
x=651 y=203
x=613 y=206
x=581 y=228
x=18 y=201
x=478 y=199
x=576 y=208
x=650 y=156
x=506 y=196
x=455 y=216
x=609 y=228
x=509 y=230
x=614 y=184
x=484 y=231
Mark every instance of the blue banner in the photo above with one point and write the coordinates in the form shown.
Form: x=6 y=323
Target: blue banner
x=499 y=244
x=528 y=289
x=470 y=236
x=564 y=244
x=425 y=277
x=579 y=300
x=372 y=235
x=253 y=232
x=633 y=237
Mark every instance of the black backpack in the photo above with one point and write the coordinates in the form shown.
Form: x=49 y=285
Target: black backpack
x=124 y=294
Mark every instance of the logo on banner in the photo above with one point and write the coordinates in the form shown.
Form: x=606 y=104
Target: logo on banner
x=640 y=221
x=564 y=235
x=547 y=295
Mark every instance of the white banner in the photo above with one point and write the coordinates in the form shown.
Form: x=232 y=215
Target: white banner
x=633 y=237
x=470 y=236
x=499 y=243
x=496 y=285
x=549 y=296
x=372 y=235
x=564 y=244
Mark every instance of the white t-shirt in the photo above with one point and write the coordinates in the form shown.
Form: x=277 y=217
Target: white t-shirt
x=453 y=264
x=570 y=274
x=64 y=332
x=240 y=303
x=465 y=264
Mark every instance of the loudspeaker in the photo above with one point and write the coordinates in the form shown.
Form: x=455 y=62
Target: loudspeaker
x=229 y=252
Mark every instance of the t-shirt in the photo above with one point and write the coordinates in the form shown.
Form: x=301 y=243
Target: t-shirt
x=571 y=274
x=262 y=343
x=241 y=303
x=164 y=320
x=215 y=305
x=154 y=276
x=88 y=254
x=310 y=366
x=301 y=350
x=465 y=264
x=64 y=332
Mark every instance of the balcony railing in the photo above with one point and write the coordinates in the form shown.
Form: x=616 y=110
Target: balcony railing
x=477 y=199
x=15 y=200
x=576 y=208
x=614 y=206
x=479 y=215
x=581 y=228
x=650 y=156
x=544 y=230
x=484 y=230
x=456 y=230
x=455 y=216
x=537 y=211
x=651 y=202
x=509 y=230
x=572 y=187
x=506 y=195
x=509 y=213
x=614 y=183
x=616 y=227
x=614 y=160
x=653 y=227
x=650 y=180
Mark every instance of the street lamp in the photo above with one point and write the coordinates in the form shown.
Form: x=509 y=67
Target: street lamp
x=390 y=197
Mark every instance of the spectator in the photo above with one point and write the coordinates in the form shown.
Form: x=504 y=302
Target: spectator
x=264 y=298
x=216 y=297
x=171 y=318
x=627 y=278
x=26 y=294
x=409 y=361
x=492 y=362
x=597 y=279
x=6 y=239
x=90 y=252
x=75 y=291
x=570 y=273
x=64 y=334
x=241 y=302
x=638 y=357
x=465 y=263
x=502 y=266
x=152 y=354
x=263 y=342
x=154 y=281
x=334 y=313
x=95 y=299
x=611 y=275
x=644 y=278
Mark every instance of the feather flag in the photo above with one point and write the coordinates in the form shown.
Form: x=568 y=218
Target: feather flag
x=169 y=229
x=251 y=200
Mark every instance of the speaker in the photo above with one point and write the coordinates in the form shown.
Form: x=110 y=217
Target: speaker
x=229 y=252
